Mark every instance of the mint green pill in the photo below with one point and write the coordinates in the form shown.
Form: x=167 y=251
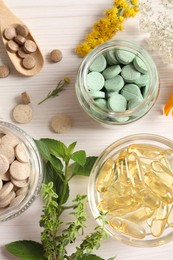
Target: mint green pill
x=134 y=103
x=131 y=91
x=144 y=90
x=111 y=72
x=97 y=94
x=129 y=73
x=140 y=65
x=101 y=103
x=125 y=57
x=120 y=119
x=110 y=93
x=99 y=64
x=143 y=80
x=110 y=57
x=114 y=84
x=117 y=103
x=95 y=81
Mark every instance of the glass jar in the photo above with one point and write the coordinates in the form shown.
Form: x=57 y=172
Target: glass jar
x=103 y=114
x=36 y=171
x=95 y=197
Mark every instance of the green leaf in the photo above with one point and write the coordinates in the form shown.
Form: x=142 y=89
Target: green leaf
x=79 y=157
x=112 y=258
x=26 y=250
x=43 y=150
x=84 y=170
x=71 y=148
x=57 y=165
x=56 y=148
x=58 y=183
x=89 y=257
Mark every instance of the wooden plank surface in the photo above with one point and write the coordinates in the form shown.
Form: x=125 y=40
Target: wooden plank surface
x=62 y=25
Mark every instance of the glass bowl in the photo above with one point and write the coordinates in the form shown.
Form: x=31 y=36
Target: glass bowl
x=34 y=181
x=102 y=113
x=157 y=142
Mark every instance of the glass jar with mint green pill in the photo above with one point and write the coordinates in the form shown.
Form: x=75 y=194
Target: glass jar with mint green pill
x=99 y=86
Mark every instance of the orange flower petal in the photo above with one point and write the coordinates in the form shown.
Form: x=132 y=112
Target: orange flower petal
x=168 y=107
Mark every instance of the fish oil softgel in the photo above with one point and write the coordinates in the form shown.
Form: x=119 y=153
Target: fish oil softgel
x=136 y=190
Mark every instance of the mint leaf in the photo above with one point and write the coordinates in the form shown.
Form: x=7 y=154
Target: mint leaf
x=58 y=183
x=43 y=150
x=79 y=157
x=57 y=165
x=71 y=148
x=89 y=257
x=84 y=170
x=26 y=250
x=56 y=148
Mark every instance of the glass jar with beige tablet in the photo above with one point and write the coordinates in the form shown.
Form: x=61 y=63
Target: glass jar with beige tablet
x=117 y=83
x=21 y=172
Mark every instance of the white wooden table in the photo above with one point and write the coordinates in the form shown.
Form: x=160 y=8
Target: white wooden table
x=63 y=24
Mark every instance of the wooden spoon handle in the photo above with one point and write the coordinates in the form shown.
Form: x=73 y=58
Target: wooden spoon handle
x=6 y=15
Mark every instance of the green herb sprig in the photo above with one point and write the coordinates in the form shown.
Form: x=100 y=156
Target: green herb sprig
x=57 y=90
x=61 y=164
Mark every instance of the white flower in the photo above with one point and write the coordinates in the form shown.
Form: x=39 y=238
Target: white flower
x=167 y=3
x=160 y=30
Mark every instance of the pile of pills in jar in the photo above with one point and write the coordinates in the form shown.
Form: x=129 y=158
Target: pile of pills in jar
x=136 y=188
x=118 y=80
x=19 y=44
x=14 y=171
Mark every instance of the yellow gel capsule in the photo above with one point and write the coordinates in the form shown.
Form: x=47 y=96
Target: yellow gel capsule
x=165 y=179
x=160 y=167
x=140 y=215
x=146 y=150
x=122 y=171
x=134 y=170
x=162 y=212
x=170 y=217
x=117 y=190
x=128 y=227
x=106 y=175
x=124 y=211
x=111 y=204
x=161 y=190
x=145 y=167
x=157 y=227
x=150 y=199
x=159 y=220
x=168 y=156
x=149 y=222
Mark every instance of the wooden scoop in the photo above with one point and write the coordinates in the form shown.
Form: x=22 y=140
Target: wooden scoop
x=8 y=19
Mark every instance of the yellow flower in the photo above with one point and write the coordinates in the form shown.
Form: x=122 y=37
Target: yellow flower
x=129 y=12
x=134 y=2
x=83 y=49
x=121 y=3
x=112 y=11
x=104 y=29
